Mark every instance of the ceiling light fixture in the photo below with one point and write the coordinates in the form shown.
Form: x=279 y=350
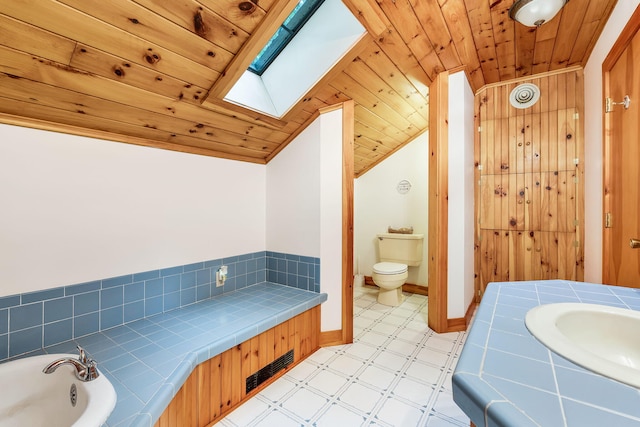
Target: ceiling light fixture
x=534 y=13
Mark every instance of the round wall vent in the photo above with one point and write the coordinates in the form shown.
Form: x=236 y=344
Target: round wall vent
x=524 y=95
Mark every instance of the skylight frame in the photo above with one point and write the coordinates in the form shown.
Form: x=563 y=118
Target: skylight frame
x=274 y=47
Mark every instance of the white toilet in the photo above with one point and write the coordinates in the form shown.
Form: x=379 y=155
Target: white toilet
x=396 y=253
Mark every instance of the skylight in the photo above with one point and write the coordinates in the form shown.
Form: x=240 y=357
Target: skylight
x=285 y=33
x=320 y=42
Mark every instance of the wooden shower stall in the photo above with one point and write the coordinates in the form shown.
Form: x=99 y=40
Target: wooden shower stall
x=529 y=199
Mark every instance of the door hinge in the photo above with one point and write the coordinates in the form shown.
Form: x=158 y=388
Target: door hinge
x=607 y=220
x=608 y=103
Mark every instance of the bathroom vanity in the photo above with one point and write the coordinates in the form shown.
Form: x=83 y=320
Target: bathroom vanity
x=506 y=377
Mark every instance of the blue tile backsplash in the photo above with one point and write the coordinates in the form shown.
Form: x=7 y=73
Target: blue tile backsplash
x=33 y=320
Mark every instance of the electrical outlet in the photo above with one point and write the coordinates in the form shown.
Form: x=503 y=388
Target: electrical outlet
x=221 y=276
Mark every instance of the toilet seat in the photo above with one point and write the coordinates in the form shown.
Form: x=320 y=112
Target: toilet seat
x=389 y=268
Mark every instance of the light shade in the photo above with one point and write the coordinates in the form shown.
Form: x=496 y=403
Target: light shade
x=534 y=13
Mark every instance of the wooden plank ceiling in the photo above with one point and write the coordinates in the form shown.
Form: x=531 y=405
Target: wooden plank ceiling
x=149 y=72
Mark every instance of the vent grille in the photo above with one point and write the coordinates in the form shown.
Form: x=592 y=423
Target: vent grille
x=524 y=95
x=254 y=380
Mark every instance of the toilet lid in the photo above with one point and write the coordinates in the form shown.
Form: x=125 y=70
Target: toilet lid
x=389 y=268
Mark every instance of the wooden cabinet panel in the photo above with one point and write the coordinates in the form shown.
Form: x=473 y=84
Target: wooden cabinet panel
x=218 y=386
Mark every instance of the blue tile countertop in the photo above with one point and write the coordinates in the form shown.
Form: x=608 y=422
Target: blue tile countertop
x=148 y=360
x=505 y=377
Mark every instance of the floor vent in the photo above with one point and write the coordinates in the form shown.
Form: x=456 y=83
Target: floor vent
x=270 y=370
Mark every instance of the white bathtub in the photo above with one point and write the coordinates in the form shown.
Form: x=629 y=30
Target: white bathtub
x=29 y=397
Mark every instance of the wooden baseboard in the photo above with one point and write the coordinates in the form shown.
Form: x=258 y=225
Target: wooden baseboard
x=462 y=323
x=470 y=312
x=407 y=287
x=457 y=324
x=415 y=289
x=328 y=338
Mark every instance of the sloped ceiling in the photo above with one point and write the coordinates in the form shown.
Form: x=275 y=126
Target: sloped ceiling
x=154 y=72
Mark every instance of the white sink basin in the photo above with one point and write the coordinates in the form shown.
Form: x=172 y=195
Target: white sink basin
x=602 y=339
x=32 y=398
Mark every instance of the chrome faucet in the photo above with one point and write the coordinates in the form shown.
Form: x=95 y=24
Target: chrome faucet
x=85 y=368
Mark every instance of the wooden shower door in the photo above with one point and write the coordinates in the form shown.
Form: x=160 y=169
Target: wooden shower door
x=530 y=192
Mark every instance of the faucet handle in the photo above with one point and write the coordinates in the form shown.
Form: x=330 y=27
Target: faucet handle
x=83 y=356
x=90 y=370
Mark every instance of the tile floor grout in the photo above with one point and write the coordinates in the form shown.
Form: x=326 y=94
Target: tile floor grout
x=396 y=373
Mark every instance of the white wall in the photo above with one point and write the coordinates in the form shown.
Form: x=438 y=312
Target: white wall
x=304 y=206
x=331 y=219
x=593 y=138
x=378 y=205
x=293 y=196
x=460 y=270
x=76 y=209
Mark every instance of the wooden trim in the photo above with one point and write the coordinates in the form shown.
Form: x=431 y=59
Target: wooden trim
x=328 y=338
x=580 y=205
x=330 y=108
x=32 y=123
x=438 y=201
x=245 y=113
x=623 y=41
x=476 y=201
x=348 y=154
x=267 y=27
x=407 y=287
x=528 y=78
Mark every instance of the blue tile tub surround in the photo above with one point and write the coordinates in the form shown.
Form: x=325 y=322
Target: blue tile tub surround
x=292 y=270
x=33 y=320
x=148 y=360
x=505 y=377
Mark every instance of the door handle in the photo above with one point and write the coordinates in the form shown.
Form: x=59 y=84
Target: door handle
x=634 y=243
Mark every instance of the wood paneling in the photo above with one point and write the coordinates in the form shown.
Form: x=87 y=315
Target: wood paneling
x=218 y=385
x=530 y=193
x=154 y=72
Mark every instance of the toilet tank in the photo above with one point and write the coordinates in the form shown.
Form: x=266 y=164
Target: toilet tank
x=401 y=248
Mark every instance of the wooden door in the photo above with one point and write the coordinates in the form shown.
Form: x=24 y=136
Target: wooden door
x=621 y=262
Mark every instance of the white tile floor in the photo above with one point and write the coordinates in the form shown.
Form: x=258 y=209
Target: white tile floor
x=396 y=373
